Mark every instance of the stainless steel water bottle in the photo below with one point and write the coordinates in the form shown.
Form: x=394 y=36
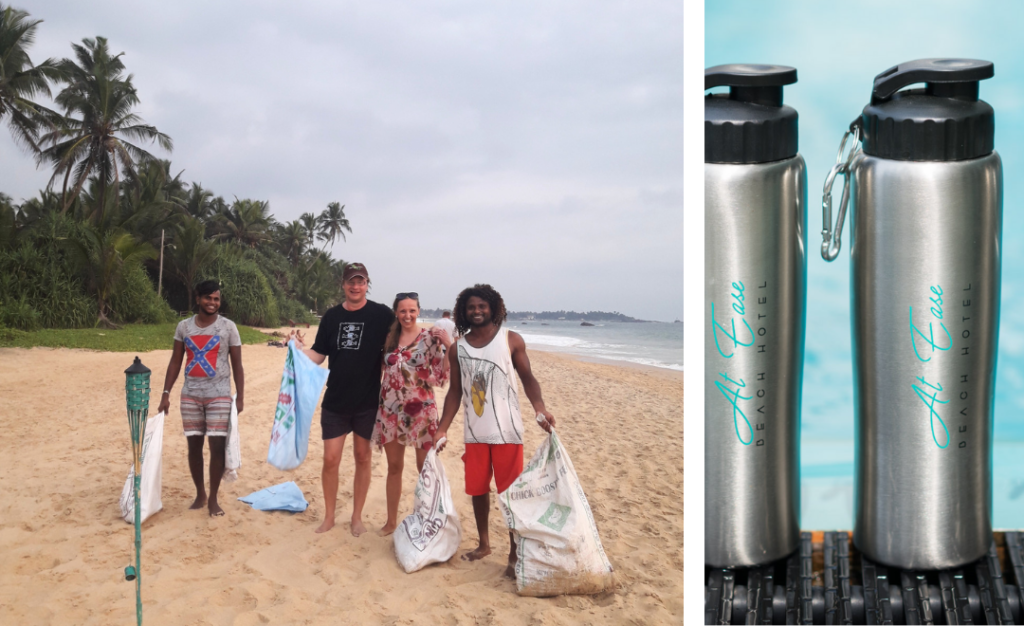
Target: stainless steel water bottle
x=926 y=227
x=755 y=193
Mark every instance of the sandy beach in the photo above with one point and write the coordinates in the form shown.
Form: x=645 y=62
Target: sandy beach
x=65 y=451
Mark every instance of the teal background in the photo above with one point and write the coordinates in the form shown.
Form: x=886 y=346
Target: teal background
x=838 y=48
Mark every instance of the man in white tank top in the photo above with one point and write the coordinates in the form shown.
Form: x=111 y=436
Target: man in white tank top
x=482 y=361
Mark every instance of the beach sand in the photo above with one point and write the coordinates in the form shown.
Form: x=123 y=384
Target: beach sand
x=65 y=452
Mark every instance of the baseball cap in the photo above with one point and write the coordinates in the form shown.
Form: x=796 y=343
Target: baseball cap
x=355 y=269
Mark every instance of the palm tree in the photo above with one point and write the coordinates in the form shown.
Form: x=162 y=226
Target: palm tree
x=190 y=251
x=218 y=206
x=291 y=240
x=33 y=210
x=215 y=220
x=20 y=80
x=147 y=205
x=102 y=255
x=96 y=142
x=199 y=202
x=8 y=221
x=315 y=284
x=311 y=224
x=248 y=222
x=175 y=190
x=333 y=223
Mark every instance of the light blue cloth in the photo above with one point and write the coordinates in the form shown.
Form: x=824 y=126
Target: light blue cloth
x=284 y=497
x=301 y=384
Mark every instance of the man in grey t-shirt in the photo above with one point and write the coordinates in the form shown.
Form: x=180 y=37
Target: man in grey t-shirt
x=214 y=350
x=207 y=367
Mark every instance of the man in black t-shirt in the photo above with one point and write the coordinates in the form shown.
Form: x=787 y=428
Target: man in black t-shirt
x=351 y=336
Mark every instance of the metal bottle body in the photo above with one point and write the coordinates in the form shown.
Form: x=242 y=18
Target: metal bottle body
x=925 y=272
x=755 y=270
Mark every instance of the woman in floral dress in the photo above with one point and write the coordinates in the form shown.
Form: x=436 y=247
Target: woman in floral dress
x=414 y=363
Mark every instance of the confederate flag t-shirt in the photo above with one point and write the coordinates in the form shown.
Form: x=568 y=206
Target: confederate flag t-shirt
x=207 y=368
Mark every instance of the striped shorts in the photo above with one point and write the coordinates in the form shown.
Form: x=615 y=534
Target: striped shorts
x=205 y=416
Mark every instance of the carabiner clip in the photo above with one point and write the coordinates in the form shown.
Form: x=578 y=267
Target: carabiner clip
x=832 y=238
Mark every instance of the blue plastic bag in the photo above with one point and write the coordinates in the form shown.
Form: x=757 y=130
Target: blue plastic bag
x=301 y=384
x=284 y=497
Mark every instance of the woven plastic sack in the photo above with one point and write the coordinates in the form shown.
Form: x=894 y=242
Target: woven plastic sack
x=284 y=497
x=151 y=485
x=433 y=532
x=233 y=449
x=556 y=538
x=301 y=384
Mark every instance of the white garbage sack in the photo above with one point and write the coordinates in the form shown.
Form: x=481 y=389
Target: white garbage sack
x=152 y=474
x=559 y=549
x=233 y=449
x=301 y=384
x=432 y=533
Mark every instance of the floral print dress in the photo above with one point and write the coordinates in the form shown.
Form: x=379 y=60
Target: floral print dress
x=407 y=410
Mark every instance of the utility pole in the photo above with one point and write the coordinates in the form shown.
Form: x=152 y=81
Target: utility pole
x=160 y=280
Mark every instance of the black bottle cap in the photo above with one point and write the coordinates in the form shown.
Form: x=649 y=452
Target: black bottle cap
x=749 y=124
x=945 y=121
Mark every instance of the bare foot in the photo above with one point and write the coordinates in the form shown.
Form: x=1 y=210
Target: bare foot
x=358 y=528
x=477 y=554
x=327 y=525
x=199 y=503
x=215 y=510
x=387 y=529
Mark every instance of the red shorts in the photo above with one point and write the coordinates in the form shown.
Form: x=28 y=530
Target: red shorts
x=504 y=461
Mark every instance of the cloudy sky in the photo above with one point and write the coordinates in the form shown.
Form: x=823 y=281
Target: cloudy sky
x=533 y=145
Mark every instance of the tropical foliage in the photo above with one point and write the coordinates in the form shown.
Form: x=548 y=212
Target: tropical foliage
x=91 y=139
x=86 y=251
x=20 y=81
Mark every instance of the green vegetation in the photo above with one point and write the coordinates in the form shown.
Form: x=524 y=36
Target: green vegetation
x=86 y=252
x=129 y=338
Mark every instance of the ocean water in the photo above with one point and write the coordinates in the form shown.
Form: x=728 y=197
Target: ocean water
x=656 y=344
x=836 y=61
